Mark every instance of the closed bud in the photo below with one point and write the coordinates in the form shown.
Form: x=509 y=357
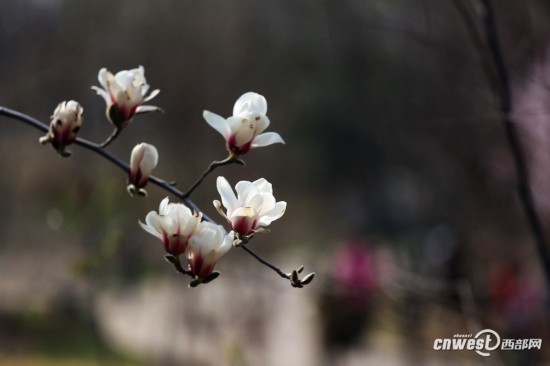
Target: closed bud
x=143 y=160
x=64 y=126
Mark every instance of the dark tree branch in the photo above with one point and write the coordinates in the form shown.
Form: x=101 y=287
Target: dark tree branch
x=167 y=186
x=503 y=93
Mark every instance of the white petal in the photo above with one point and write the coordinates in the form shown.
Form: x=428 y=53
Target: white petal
x=153 y=94
x=147 y=109
x=189 y=226
x=262 y=185
x=178 y=211
x=245 y=189
x=163 y=206
x=254 y=201
x=245 y=132
x=261 y=124
x=136 y=156
x=104 y=94
x=226 y=244
x=250 y=102
x=149 y=160
x=150 y=230
x=144 y=89
x=152 y=224
x=226 y=193
x=217 y=122
x=168 y=225
x=248 y=212
x=267 y=203
x=102 y=77
x=266 y=139
x=272 y=215
x=235 y=124
x=124 y=79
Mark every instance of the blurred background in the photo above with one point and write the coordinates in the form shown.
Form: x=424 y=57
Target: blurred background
x=400 y=185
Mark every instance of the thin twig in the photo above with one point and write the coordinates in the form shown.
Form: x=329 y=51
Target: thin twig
x=213 y=165
x=111 y=137
x=167 y=186
x=265 y=263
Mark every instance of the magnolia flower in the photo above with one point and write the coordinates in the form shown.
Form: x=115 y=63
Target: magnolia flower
x=252 y=209
x=243 y=131
x=174 y=224
x=206 y=247
x=124 y=94
x=142 y=161
x=64 y=126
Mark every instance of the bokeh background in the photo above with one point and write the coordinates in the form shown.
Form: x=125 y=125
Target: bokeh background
x=400 y=185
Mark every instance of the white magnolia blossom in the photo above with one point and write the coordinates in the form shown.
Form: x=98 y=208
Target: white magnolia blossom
x=174 y=224
x=243 y=130
x=143 y=160
x=207 y=245
x=124 y=94
x=254 y=206
x=66 y=122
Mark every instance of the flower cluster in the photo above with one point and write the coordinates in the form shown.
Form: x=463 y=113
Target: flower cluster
x=183 y=232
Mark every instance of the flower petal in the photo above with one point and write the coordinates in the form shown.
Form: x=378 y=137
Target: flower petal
x=124 y=79
x=102 y=77
x=150 y=159
x=245 y=189
x=261 y=124
x=153 y=94
x=163 y=207
x=227 y=244
x=152 y=224
x=263 y=185
x=150 y=230
x=250 y=102
x=147 y=109
x=266 y=139
x=267 y=203
x=229 y=200
x=272 y=215
x=255 y=202
x=104 y=94
x=218 y=123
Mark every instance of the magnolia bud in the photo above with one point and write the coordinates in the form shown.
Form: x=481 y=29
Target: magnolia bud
x=64 y=126
x=142 y=161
